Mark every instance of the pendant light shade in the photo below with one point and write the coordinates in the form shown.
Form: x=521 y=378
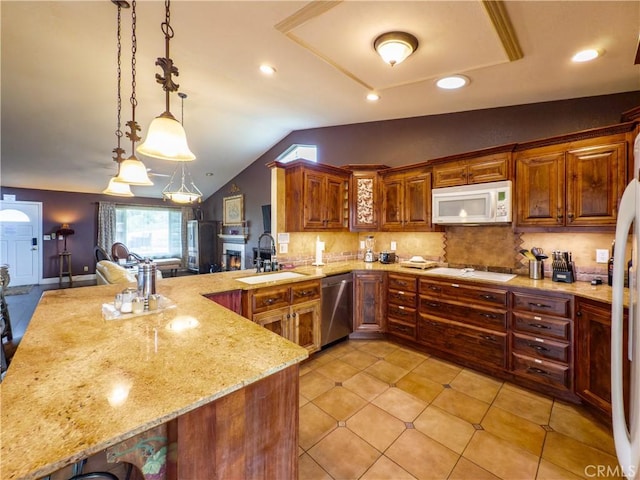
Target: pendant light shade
x=182 y=193
x=166 y=140
x=133 y=172
x=118 y=189
x=395 y=47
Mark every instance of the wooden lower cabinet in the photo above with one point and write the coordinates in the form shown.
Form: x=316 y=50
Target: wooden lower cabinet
x=369 y=308
x=402 y=300
x=593 y=355
x=231 y=300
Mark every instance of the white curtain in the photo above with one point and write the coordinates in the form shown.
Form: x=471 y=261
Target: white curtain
x=106 y=225
x=187 y=214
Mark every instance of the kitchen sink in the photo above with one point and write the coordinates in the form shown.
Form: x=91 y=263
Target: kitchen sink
x=270 y=277
x=471 y=273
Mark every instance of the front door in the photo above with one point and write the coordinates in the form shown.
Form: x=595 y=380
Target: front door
x=20 y=233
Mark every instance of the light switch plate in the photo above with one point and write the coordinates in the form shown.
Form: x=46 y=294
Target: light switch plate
x=394 y=246
x=602 y=255
x=284 y=248
x=47 y=237
x=361 y=244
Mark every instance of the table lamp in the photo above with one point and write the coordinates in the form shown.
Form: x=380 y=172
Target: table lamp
x=65 y=231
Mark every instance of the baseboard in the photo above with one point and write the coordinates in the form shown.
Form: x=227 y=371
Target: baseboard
x=76 y=278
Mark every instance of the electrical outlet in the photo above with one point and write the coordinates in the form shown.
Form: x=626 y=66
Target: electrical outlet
x=284 y=248
x=47 y=237
x=85 y=268
x=361 y=244
x=602 y=255
x=394 y=246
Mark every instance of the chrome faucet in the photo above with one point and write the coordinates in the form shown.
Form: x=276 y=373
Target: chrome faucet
x=273 y=250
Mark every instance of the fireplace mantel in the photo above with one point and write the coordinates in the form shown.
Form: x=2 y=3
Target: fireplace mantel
x=229 y=238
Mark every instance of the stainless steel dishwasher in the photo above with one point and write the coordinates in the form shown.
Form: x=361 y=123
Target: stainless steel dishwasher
x=337 y=307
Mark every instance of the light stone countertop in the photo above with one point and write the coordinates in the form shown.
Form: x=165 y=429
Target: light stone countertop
x=58 y=397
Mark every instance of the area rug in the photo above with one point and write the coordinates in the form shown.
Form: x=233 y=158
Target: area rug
x=18 y=290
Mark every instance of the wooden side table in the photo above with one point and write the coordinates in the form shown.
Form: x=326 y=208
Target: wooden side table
x=65 y=257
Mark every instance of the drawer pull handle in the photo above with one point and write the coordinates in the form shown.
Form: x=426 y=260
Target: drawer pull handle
x=434 y=288
x=539 y=325
x=488 y=315
x=539 y=348
x=488 y=337
x=304 y=293
x=539 y=305
x=538 y=371
x=488 y=297
x=432 y=304
x=269 y=301
x=400 y=282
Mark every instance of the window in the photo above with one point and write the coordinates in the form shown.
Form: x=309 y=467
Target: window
x=297 y=151
x=150 y=231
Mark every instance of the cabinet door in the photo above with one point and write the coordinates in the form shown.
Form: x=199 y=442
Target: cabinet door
x=540 y=190
x=305 y=325
x=595 y=181
x=314 y=206
x=369 y=307
x=334 y=199
x=450 y=174
x=593 y=356
x=417 y=202
x=275 y=320
x=364 y=199
x=493 y=168
x=392 y=203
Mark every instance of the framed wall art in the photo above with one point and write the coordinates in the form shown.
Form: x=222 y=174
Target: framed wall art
x=233 y=210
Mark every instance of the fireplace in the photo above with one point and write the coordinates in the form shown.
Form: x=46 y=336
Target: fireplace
x=233 y=260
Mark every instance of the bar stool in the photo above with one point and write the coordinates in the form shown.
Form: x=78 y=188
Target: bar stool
x=65 y=257
x=5 y=321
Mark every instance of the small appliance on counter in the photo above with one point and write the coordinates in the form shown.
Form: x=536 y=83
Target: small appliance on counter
x=563 y=267
x=369 y=243
x=387 y=257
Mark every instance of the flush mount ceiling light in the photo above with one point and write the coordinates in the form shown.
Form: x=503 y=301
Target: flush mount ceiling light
x=452 y=82
x=373 y=97
x=395 y=47
x=587 y=55
x=132 y=170
x=166 y=138
x=117 y=188
x=267 y=69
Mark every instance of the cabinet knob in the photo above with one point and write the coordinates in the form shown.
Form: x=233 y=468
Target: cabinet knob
x=579 y=313
x=570 y=216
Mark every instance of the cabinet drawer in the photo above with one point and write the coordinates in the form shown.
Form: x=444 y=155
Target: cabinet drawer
x=494 y=319
x=400 y=297
x=432 y=332
x=400 y=312
x=475 y=294
x=540 y=347
x=541 y=371
x=305 y=292
x=542 y=325
x=547 y=305
x=405 y=283
x=401 y=329
x=266 y=298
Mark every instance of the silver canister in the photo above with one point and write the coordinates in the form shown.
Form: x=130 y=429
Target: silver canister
x=146 y=281
x=536 y=269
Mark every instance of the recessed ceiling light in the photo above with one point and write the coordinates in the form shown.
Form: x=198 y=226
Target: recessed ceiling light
x=452 y=82
x=209 y=174
x=373 y=97
x=267 y=69
x=587 y=55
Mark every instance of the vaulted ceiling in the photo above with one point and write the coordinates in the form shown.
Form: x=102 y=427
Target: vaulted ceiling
x=59 y=74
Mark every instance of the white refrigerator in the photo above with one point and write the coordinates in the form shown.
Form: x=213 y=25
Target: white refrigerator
x=627 y=434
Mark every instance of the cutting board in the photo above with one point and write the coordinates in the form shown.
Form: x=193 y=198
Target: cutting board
x=421 y=265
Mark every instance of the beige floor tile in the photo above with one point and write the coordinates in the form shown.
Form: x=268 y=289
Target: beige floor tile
x=359 y=359
x=400 y=404
x=451 y=431
x=385 y=469
x=379 y=348
x=467 y=470
x=514 y=429
x=340 y=403
x=524 y=403
x=438 y=371
x=577 y=457
x=365 y=385
x=387 y=372
x=314 y=424
x=308 y=469
x=340 y=349
x=302 y=400
x=406 y=359
x=337 y=370
x=375 y=426
x=575 y=422
x=419 y=387
x=313 y=384
x=476 y=385
x=343 y=454
x=500 y=457
x=421 y=456
x=461 y=405
x=549 y=471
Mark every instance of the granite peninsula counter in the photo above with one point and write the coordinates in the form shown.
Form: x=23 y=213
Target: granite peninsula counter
x=79 y=384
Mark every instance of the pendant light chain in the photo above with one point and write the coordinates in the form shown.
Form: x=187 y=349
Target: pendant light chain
x=118 y=150
x=132 y=124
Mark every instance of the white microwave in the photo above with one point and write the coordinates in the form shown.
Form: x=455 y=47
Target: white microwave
x=472 y=204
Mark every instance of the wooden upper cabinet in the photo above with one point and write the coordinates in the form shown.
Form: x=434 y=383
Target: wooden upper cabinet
x=316 y=197
x=406 y=201
x=488 y=168
x=364 y=197
x=577 y=183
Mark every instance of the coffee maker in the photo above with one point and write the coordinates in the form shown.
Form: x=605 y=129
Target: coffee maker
x=369 y=243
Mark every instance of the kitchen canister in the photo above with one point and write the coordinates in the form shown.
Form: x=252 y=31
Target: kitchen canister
x=536 y=269
x=146 y=281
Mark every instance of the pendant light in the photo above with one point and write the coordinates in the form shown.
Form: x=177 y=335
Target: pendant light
x=116 y=188
x=166 y=138
x=182 y=194
x=132 y=170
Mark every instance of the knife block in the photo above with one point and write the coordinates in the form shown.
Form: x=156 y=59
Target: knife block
x=566 y=276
